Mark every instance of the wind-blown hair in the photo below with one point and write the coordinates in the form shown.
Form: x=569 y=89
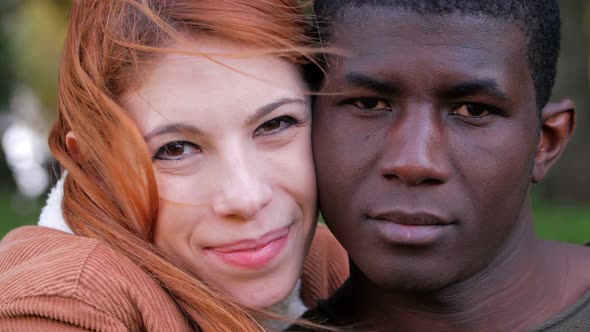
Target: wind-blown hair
x=110 y=192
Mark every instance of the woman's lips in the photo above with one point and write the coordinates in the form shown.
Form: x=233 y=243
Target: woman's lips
x=252 y=254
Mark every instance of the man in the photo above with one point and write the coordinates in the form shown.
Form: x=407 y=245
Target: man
x=427 y=138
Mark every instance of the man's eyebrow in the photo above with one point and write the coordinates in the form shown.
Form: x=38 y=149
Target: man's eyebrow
x=269 y=108
x=371 y=83
x=467 y=88
x=172 y=128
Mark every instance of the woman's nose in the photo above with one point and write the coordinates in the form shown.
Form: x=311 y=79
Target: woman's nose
x=243 y=191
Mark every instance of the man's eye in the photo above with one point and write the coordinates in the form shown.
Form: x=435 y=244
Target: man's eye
x=372 y=104
x=471 y=110
x=176 y=150
x=275 y=126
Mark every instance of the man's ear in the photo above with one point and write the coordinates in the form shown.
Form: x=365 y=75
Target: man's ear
x=558 y=120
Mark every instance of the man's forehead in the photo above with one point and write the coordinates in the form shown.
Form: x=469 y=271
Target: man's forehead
x=379 y=34
x=400 y=49
x=375 y=20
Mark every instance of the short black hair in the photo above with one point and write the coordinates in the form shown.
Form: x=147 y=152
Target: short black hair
x=539 y=20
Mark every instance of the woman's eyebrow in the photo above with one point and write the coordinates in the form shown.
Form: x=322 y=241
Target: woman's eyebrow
x=185 y=128
x=172 y=128
x=269 y=108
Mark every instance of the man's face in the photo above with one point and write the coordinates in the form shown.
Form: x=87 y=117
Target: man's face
x=424 y=144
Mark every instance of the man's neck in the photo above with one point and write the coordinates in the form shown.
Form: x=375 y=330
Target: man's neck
x=522 y=288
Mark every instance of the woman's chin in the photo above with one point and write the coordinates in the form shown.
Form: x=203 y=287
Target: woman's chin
x=264 y=292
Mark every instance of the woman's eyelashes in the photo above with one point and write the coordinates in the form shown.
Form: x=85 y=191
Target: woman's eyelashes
x=275 y=126
x=176 y=150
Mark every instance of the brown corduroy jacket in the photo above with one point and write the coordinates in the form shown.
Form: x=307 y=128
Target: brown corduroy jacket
x=54 y=281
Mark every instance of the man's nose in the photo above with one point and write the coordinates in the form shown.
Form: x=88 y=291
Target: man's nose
x=415 y=149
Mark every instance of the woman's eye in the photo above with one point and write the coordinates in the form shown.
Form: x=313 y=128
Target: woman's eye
x=471 y=110
x=176 y=151
x=372 y=104
x=274 y=126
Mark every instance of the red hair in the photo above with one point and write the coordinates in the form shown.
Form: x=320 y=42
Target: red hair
x=110 y=192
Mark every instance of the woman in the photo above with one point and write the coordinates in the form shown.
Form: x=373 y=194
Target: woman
x=185 y=130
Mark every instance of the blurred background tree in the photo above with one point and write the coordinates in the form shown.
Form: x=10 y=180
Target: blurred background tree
x=569 y=181
x=36 y=29
x=31 y=37
x=6 y=84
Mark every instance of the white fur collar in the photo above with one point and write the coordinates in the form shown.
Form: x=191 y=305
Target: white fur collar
x=52 y=217
x=291 y=307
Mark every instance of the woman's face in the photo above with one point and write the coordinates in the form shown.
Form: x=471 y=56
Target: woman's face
x=232 y=156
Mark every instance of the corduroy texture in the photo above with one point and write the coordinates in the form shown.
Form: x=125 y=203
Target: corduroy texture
x=325 y=268
x=50 y=280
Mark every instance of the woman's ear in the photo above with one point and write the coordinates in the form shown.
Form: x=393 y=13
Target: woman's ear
x=558 y=120
x=72 y=145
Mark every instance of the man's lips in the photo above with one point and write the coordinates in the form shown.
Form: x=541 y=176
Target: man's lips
x=410 y=218
x=410 y=228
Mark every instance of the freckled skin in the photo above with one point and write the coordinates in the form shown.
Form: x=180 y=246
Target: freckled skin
x=422 y=153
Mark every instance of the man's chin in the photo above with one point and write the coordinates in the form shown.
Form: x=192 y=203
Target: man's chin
x=418 y=279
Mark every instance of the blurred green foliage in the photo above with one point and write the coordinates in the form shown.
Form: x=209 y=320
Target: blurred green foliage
x=35 y=58
x=6 y=72
x=563 y=223
x=16 y=211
